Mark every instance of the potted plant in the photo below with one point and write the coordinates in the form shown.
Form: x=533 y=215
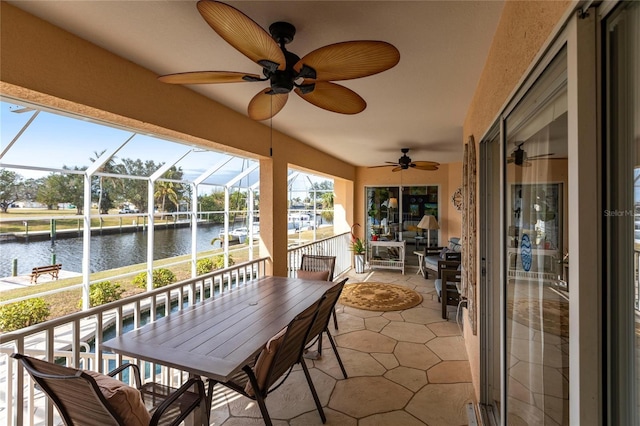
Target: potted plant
x=358 y=248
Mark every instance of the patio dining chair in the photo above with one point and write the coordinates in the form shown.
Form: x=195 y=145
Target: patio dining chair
x=321 y=324
x=313 y=267
x=445 y=265
x=86 y=398
x=270 y=369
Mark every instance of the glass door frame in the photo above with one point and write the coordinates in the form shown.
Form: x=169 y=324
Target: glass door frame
x=491 y=355
x=621 y=369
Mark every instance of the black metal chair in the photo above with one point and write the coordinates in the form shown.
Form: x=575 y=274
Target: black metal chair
x=277 y=359
x=318 y=263
x=445 y=265
x=91 y=398
x=321 y=325
x=450 y=294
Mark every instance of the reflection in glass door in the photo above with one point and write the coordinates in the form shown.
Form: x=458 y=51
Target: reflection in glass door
x=536 y=288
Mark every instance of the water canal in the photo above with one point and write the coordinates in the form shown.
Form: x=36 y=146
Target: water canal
x=107 y=251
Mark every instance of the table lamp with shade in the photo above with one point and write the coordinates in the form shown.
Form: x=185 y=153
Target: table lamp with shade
x=428 y=222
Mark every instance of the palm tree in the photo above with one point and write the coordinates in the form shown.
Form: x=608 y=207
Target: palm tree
x=327 y=206
x=109 y=167
x=167 y=189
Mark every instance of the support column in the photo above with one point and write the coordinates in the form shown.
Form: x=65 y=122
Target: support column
x=343 y=206
x=273 y=214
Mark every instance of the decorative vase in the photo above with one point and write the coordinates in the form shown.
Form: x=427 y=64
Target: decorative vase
x=359 y=263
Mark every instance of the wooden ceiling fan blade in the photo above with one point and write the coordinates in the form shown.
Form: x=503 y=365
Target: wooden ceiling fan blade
x=350 y=59
x=241 y=32
x=206 y=77
x=264 y=106
x=540 y=156
x=384 y=165
x=524 y=164
x=396 y=169
x=425 y=163
x=335 y=98
x=424 y=167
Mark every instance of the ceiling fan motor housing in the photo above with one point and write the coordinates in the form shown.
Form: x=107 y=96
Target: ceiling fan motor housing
x=519 y=156
x=404 y=162
x=283 y=81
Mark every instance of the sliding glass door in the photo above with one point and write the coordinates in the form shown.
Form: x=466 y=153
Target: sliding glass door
x=394 y=213
x=525 y=288
x=536 y=287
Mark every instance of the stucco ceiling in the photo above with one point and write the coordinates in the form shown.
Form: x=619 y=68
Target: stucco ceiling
x=420 y=103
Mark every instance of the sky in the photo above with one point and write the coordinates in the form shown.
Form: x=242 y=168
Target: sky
x=53 y=140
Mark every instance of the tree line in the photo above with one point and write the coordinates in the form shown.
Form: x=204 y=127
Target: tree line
x=109 y=192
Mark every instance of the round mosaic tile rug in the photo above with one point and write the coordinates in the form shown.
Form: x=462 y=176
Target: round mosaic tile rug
x=550 y=316
x=379 y=297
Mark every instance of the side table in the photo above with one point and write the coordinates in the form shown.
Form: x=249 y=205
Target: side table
x=420 y=255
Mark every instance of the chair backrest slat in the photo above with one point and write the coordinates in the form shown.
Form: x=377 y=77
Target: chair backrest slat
x=317 y=263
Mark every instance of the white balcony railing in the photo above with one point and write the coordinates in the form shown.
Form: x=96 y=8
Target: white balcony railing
x=74 y=340
x=337 y=246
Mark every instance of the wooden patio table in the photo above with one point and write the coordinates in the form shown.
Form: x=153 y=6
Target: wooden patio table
x=217 y=337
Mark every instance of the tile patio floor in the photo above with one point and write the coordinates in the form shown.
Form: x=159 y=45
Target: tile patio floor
x=406 y=368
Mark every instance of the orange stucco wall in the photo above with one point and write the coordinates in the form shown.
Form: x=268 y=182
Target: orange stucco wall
x=524 y=29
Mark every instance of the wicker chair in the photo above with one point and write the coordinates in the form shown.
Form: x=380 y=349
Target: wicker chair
x=90 y=398
x=321 y=325
x=278 y=357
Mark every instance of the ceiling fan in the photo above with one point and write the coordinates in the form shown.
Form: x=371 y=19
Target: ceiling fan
x=405 y=163
x=310 y=77
x=519 y=156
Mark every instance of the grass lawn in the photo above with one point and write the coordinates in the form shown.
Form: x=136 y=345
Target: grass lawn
x=67 y=302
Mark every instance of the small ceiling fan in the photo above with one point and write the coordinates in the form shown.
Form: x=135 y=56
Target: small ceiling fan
x=310 y=77
x=519 y=156
x=405 y=163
